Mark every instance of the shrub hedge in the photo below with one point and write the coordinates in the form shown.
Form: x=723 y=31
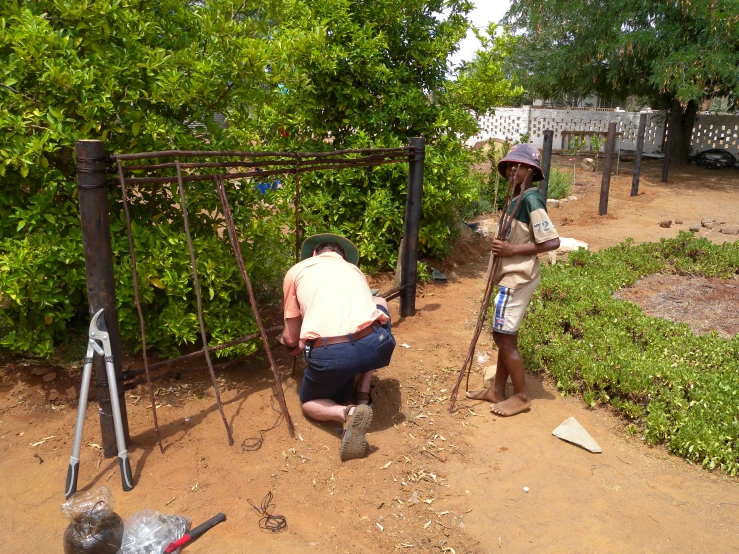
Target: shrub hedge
x=676 y=387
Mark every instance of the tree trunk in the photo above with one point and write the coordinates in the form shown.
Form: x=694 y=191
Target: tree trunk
x=681 y=130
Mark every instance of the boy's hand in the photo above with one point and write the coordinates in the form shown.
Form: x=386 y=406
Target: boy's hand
x=503 y=248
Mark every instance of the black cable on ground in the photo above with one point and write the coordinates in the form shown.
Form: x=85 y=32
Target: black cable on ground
x=269 y=522
x=255 y=443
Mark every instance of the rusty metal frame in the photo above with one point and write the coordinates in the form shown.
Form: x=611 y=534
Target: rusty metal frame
x=279 y=163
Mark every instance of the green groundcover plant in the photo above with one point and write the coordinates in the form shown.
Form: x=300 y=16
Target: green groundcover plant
x=676 y=387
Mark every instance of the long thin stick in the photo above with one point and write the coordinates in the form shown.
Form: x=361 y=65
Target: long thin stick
x=504 y=226
x=242 y=267
x=196 y=286
x=138 y=304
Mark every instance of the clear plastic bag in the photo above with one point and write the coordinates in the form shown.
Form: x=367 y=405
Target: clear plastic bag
x=94 y=527
x=150 y=532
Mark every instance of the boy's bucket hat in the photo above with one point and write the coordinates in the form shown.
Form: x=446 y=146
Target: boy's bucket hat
x=523 y=154
x=309 y=245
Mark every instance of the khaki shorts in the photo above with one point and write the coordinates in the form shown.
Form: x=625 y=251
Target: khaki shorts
x=510 y=306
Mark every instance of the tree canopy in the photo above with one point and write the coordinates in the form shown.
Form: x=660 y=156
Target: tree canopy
x=288 y=74
x=676 y=53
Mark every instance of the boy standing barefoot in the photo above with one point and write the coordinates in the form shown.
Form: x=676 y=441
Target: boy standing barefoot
x=518 y=275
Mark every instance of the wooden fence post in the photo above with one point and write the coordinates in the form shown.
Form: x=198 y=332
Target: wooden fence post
x=666 y=152
x=605 y=183
x=546 y=162
x=411 y=224
x=92 y=163
x=639 y=151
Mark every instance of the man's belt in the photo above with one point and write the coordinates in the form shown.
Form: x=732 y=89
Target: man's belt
x=321 y=341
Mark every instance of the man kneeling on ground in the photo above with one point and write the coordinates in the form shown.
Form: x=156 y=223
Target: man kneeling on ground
x=518 y=275
x=342 y=331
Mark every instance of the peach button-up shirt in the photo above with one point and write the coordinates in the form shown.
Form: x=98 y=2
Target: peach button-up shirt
x=331 y=295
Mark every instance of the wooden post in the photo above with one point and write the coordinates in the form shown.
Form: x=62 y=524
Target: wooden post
x=666 y=152
x=411 y=225
x=92 y=162
x=546 y=162
x=608 y=163
x=639 y=151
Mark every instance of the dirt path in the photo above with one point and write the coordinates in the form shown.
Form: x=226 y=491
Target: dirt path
x=433 y=482
x=690 y=194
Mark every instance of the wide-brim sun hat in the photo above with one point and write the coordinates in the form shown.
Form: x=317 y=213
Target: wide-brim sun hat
x=310 y=244
x=523 y=154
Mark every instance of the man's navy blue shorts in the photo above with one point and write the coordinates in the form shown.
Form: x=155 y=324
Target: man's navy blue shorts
x=332 y=368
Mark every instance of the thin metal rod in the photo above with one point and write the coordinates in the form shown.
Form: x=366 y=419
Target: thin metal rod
x=137 y=297
x=196 y=286
x=298 y=235
x=228 y=217
x=127 y=375
x=237 y=154
x=167 y=165
x=298 y=227
x=265 y=163
x=504 y=225
x=392 y=293
x=190 y=178
x=178 y=372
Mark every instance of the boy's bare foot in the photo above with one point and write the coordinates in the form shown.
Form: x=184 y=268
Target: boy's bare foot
x=488 y=394
x=512 y=406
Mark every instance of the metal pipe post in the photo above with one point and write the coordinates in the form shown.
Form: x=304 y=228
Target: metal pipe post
x=639 y=151
x=92 y=161
x=546 y=162
x=605 y=184
x=666 y=152
x=411 y=225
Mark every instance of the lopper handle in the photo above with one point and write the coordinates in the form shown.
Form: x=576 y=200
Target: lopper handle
x=126 y=476
x=72 y=472
x=195 y=533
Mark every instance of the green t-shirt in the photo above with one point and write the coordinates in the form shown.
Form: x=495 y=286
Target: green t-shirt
x=530 y=224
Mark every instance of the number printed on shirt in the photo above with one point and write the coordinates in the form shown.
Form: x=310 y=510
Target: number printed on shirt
x=542 y=227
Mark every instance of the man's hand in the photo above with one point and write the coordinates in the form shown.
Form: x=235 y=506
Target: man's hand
x=503 y=248
x=294 y=350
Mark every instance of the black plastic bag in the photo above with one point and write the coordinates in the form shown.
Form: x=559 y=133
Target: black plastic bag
x=94 y=527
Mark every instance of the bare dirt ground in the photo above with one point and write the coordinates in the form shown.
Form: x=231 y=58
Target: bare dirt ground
x=432 y=481
x=704 y=304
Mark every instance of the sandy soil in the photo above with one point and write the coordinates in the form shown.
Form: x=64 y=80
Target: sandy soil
x=432 y=481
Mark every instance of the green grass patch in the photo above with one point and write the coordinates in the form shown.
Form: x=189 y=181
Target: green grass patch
x=677 y=388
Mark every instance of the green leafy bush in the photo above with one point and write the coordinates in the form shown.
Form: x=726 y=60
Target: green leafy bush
x=682 y=389
x=559 y=184
x=297 y=75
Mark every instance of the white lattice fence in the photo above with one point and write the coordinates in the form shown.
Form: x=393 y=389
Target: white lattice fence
x=627 y=123
x=715 y=131
x=508 y=123
x=710 y=131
